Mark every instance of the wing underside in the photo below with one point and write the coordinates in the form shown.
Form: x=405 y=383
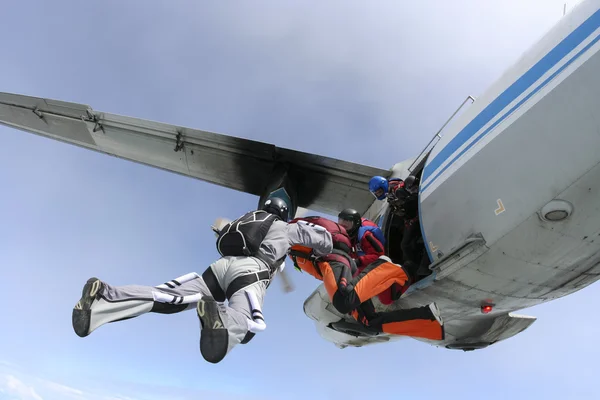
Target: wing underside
x=321 y=183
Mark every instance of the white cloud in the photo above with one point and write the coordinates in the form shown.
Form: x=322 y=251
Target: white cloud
x=63 y=390
x=16 y=384
x=12 y=386
x=118 y=397
x=19 y=385
x=4 y=363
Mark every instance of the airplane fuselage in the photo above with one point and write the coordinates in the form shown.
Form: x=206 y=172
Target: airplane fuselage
x=509 y=197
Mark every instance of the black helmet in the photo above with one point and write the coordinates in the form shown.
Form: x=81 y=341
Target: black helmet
x=350 y=214
x=409 y=181
x=276 y=206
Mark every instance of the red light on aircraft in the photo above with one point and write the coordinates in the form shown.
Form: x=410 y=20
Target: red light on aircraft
x=486 y=309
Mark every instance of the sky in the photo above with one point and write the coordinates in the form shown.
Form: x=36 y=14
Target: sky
x=365 y=83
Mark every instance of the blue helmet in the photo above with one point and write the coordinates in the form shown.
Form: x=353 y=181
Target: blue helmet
x=378 y=185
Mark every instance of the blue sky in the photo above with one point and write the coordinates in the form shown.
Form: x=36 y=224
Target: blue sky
x=368 y=84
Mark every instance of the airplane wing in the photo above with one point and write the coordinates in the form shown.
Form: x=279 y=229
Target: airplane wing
x=322 y=184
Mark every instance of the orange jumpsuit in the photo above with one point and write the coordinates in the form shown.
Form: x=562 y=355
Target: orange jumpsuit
x=347 y=293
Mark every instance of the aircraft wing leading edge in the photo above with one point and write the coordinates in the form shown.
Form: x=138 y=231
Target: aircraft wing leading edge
x=322 y=184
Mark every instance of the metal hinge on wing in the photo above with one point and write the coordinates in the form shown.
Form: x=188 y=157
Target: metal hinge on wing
x=38 y=113
x=91 y=117
x=178 y=142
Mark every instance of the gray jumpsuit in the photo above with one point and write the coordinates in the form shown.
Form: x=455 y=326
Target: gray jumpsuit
x=102 y=303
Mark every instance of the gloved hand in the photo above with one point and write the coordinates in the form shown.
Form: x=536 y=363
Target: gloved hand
x=345 y=287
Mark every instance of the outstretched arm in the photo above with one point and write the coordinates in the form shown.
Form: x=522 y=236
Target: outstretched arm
x=312 y=236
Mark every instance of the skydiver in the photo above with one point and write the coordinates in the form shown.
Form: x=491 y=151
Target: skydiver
x=402 y=196
x=368 y=241
x=394 y=190
x=348 y=294
x=241 y=279
x=368 y=244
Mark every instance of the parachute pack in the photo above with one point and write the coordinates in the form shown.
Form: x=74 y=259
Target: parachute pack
x=243 y=236
x=303 y=256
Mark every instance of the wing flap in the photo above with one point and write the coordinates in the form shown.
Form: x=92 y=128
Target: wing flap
x=73 y=110
x=56 y=126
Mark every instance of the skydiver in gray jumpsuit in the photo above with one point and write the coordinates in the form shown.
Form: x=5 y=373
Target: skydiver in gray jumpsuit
x=243 y=281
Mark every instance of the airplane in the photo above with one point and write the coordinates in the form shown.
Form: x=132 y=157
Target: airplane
x=508 y=196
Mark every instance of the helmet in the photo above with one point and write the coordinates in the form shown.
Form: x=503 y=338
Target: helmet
x=378 y=186
x=409 y=181
x=352 y=219
x=276 y=206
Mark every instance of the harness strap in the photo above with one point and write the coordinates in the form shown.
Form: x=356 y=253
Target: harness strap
x=243 y=281
x=342 y=257
x=213 y=285
x=305 y=254
x=336 y=256
x=238 y=283
x=301 y=254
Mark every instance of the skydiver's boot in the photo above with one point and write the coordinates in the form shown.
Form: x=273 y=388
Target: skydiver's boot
x=82 y=312
x=94 y=310
x=214 y=337
x=411 y=269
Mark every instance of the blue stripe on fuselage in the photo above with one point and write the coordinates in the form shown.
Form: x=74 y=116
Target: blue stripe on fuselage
x=567 y=45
